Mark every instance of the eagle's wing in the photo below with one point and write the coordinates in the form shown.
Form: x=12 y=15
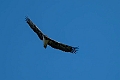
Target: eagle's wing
x=61 y=46
x=34 y=28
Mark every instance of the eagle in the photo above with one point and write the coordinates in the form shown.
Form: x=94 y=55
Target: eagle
x=49 y=41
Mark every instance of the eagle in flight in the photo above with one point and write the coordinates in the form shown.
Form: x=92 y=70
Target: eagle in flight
x=49 y=41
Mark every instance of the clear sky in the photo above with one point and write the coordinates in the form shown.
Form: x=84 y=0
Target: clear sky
x=93 y=25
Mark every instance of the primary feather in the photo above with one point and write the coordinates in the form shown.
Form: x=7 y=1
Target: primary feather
x=50 y=42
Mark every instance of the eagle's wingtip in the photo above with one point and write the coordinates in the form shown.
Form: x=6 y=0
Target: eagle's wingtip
x=26 y=18
x=74 y=49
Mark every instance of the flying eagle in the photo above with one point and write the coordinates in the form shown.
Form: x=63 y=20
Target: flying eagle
x=49 y=41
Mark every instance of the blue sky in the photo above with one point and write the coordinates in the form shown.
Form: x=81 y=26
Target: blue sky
x=93 y=25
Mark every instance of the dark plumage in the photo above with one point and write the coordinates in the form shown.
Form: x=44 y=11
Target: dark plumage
x=48 y=41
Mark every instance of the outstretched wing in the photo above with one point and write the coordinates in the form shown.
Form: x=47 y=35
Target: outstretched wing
x=34 y=28
x=61 y=46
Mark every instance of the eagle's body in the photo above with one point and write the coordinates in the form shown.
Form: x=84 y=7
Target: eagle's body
x=48 y=41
